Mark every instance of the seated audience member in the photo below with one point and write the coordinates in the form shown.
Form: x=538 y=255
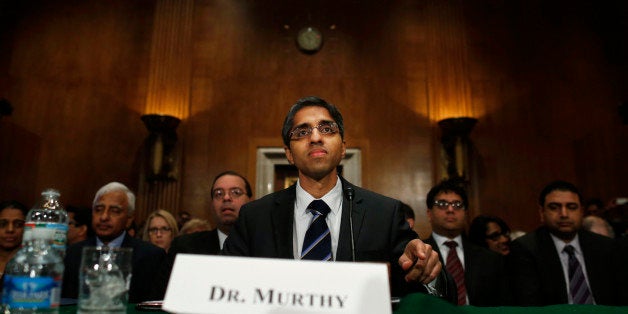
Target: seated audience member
x=160 y=229
x=560 y=262
x=594 y=206
x=182 y=218
x=195 y=225
x=131 y=230
x=112 y=214
x=598 y=225
x=12 y=215
x=408 y=213
x=229 y=192
x=79 y=226
x=479 y=273
x=490 y=232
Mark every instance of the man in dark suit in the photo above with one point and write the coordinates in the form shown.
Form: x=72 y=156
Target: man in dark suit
x=481 y=280
x=541 y=261
x=229 y=191
x=278 y=225
x=112 y=213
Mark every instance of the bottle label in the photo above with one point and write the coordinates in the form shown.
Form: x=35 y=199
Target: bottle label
x=31 y=293
x=54 y=232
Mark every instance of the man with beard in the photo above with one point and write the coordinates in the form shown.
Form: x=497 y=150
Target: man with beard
x=229 y=192
x=560 y=262
x=112 y=214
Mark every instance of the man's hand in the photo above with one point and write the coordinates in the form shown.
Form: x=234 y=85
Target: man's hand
x=420 y=262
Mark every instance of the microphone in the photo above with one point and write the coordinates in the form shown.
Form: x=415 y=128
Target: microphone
x=349 y=191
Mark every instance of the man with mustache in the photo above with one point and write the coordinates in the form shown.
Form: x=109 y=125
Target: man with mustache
x=112 y=213
x=311 y=219
x=560 y=262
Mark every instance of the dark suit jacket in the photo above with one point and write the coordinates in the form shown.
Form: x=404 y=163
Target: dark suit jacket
x=205 y=242
x=147 y=260
x=537 y=273
x=265 y=229
x=484 y=274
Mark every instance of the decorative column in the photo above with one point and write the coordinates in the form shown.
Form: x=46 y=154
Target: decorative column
x=168 y=94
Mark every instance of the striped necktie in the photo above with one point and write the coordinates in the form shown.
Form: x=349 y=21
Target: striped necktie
x=454 y=268
x=578 y=287
x=317 y=243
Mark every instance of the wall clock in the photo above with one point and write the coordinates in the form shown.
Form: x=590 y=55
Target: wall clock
x=309 y=40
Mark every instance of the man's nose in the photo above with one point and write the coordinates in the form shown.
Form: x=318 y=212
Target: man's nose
x=104 y=215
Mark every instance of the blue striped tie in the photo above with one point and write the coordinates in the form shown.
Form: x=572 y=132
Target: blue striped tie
x=577 y=283
x=317 y=243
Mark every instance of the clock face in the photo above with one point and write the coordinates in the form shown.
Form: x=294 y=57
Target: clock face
x=309 y=39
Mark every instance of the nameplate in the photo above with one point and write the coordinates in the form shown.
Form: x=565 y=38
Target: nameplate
x=221 y=284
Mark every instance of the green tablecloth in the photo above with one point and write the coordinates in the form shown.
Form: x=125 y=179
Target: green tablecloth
x=421 y=304
x=425 y=304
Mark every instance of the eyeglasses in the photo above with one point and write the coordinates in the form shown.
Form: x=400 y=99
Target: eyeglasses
x=155 y=230
x=444 y=205
x=219 y=194
x=325 y=128
x=496 y=235
x=18 y=223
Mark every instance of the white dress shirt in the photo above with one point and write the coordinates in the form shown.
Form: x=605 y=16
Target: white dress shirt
x=564 y=260
x=303 y=218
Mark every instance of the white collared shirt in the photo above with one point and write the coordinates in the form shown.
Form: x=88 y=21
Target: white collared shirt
x=303 y=218
x=444 y=249
x=564 y=261
x=117 y=242
x=221 y=238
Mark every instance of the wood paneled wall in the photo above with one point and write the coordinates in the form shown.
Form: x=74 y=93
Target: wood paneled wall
x=544 y=80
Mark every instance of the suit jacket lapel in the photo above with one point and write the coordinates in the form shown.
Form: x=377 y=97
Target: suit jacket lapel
x=283 y=222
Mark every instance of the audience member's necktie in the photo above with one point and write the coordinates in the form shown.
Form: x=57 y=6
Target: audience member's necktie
x=454 y=268
x=577 y=283
x=317 y=243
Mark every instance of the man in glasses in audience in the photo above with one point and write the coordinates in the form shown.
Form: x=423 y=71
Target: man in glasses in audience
x=112 y=213
x=311 y=219
x=478 y=273
x=560 y=262
x=229 y=191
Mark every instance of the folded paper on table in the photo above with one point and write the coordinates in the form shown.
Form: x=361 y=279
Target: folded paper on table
x=221 y=284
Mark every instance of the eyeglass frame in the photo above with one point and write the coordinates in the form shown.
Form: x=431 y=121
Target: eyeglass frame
x=309 y=129
x=444 y=205
x=232 y=193
x=155 y=230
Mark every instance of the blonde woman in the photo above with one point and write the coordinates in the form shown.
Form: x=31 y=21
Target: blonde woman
x=160 y=229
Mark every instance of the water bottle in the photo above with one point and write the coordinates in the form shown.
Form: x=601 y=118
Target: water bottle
x=33 y=277
x=49 y=216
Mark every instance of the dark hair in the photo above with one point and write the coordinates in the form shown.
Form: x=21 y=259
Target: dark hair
x=447 y=186
x=479 y=226
x=249 y=192
x=305 y=102
x=82 y=216
x=15 y=205
x=407 y=210
x=558 y=186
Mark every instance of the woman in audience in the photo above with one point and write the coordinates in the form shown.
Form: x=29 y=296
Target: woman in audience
x=490 y=232
x=12 y=215
x=160 y=229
